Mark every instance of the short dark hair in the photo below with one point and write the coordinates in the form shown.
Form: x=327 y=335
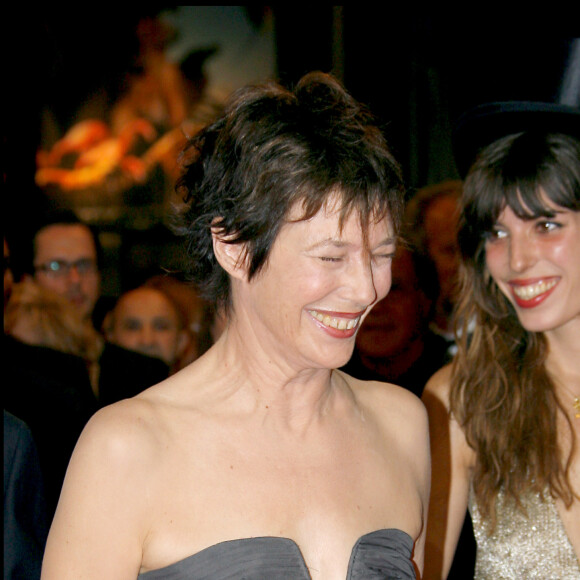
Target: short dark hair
x=65 y=217
x=272 y=148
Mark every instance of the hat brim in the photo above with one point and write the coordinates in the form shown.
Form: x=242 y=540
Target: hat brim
x=486 y=123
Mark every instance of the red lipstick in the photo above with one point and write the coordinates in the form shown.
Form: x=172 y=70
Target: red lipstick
x=536 y=292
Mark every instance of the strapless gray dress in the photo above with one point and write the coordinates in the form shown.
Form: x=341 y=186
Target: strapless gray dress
x=383 y=554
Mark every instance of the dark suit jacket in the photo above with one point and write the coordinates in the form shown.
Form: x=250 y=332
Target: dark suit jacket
x=25 y=520
x=51 y=392
x=125 y=373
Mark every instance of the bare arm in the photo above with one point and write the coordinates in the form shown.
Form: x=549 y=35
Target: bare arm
x=451 y=467
x=424 y=478
x=413 y=422
x=404 y=418
x=99 y=527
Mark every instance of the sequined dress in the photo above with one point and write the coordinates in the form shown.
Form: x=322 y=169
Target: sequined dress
x=532 y=547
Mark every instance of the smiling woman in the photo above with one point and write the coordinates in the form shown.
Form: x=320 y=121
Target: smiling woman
x=512 y=251
x=504 y=437
x=260 y=460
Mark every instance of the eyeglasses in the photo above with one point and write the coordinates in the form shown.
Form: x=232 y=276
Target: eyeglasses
x=61 y=268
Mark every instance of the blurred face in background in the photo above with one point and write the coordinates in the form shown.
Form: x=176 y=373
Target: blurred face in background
x=145 y=320
x=399 y=319
x=65 y=261
x=440 y=224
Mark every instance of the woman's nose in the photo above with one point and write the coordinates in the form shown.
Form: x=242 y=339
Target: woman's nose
x=362 y=283
x=521 y=253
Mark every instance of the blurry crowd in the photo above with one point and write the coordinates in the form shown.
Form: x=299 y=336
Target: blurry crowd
x=60 y=367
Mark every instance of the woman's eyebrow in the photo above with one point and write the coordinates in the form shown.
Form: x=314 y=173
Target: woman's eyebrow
x=340 y=243
x=337 y=242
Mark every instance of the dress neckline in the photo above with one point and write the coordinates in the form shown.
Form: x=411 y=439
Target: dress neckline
x=170 y=570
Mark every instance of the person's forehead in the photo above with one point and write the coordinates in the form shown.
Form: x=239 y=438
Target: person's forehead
x=328 y=221
x=146 y=303
x=57 y=241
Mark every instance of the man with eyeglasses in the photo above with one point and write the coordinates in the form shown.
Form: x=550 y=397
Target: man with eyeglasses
x=49 y=389
x=65 y=260
x=51 y=392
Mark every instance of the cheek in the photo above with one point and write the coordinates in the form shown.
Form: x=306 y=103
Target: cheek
x=494 y=259
x=566 y=255
x=167 y=339
x=310 y=284
x=91 y=285
x=382 y=279
x=56 y=284
x=567 y=259
x=127 y=337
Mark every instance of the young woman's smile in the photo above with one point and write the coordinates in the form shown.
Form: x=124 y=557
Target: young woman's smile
x=535 y=264
x=530 y=293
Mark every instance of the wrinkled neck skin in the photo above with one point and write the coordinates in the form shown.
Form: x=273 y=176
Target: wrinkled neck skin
x=250 y=373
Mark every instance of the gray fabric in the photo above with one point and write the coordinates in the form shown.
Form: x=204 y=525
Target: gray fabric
x=384 y=554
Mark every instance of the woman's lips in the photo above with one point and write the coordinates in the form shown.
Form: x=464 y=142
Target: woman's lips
x=530 y=293
x=345 y=323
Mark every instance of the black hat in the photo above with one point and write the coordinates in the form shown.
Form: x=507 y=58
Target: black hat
x=486 y=123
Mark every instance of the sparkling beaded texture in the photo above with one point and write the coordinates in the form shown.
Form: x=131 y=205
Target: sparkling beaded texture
x=532 y=546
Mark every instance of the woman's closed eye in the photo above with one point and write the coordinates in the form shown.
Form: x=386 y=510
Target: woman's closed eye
x=331 y=258
x=383 y=256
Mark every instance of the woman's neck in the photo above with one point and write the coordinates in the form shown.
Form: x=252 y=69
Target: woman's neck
x=267 y=383
x=563 y=361
x=563 y=365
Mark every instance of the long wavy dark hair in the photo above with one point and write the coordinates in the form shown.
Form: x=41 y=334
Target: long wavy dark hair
x=272 y=149
x=501 y=393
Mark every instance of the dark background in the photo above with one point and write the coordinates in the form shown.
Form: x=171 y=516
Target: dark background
x=416 y=69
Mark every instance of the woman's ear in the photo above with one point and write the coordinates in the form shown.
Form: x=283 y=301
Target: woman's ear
x=232 y=257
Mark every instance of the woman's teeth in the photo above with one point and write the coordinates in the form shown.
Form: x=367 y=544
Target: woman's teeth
x=333 y=322
x=533 y=290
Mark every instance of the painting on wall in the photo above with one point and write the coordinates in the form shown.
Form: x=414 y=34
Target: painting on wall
x=115 y=159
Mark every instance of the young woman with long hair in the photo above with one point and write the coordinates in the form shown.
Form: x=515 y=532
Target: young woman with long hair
x=505 y=416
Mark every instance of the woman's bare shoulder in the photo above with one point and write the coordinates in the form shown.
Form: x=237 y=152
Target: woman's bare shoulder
x=401 y=419
x=123 y=415
x=123 y=432
x=383 y=394
x=444 y=426
x=148 y=422
x=390 y=404
x=104 y=513
x=438 y=386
